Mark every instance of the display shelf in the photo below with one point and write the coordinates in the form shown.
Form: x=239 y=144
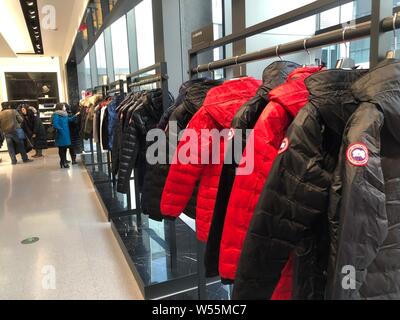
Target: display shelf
x=215 y=292
x=160 y=272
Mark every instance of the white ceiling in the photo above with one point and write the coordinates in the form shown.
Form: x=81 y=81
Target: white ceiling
x=58 y=42
x=69 y=15
x=5 y=50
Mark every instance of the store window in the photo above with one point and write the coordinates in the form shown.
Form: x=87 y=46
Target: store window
x=119 y=36
x=97 y=14
x=101 y=60
x=217 y=11
x=84 y=74
x=145 y=35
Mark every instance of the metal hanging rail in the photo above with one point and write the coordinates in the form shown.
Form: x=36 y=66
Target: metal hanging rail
x=138 y=79
x=276 y=22
x=116 y=87
x=361 y=30
x=141 y=78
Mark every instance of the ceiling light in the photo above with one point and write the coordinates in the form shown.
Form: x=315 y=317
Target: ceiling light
x=30 y=3
x=16 y=36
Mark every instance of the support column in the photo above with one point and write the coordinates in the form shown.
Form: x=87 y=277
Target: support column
x=239 y=24
x=380 y=42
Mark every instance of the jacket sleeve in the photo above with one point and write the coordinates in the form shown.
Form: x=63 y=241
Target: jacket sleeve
x=358 y=205
x=292 y=200
x=182 y=177
x=72 y=118
x=19 y=118
x=128 y=157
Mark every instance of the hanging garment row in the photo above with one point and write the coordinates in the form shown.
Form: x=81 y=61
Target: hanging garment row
x=322 y=195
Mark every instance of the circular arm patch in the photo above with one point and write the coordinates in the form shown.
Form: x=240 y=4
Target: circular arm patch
x=358 y=154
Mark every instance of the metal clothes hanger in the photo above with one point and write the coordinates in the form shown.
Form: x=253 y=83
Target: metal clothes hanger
x=345 y=63
x=277 y=52
x=308 y=53
x=212 y=72
x=395 y=53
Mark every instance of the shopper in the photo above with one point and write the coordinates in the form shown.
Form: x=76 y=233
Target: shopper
x=61 y=121
x=74 y=129
x=10 y=125
x=34 y=130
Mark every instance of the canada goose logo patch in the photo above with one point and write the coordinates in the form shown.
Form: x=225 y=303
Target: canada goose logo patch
x=358 y=155
x=284 y=146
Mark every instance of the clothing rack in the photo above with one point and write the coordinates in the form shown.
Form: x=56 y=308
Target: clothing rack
x=141 y=78
x=137 y=80
x=361 y=30
x=116 y=87
x=379 y=23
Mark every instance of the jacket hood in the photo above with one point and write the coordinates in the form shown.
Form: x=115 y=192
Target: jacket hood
x=293 y=94
x=275 y=75
x=331 y=93
x=222 y=102
x=381 y=86
x=196 y=94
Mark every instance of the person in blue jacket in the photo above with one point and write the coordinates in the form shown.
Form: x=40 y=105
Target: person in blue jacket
x=61 y=121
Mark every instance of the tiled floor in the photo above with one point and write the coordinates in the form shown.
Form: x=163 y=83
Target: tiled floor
x=76 y=242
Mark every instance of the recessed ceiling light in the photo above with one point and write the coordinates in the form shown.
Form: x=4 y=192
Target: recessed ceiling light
x=29 y=3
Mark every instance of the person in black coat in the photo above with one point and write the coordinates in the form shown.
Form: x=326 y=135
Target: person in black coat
x=34 y=130
x=75 y=128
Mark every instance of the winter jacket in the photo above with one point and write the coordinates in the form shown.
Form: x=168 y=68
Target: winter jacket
x=10 y=121
x=143 y=118
x=194 y=94
x=74 y=128
x=119 y=133
x=90 y=104
x=290 y=220
x=60 y=123
x=365 y=198
x=179 y=100
x=33 y=125
x=245 y=119
x=113 y=118
x=263 y=145
x=219 y=108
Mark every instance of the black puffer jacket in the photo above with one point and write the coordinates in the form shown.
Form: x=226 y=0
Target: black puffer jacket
x=119 y=130
x=291 y=216
x=246 y=118
x=365 y=197
x=143 y=118
x=33 y=125
x=179 y=100
x=156 y=175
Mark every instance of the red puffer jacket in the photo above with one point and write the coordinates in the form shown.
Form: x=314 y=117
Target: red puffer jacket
x=267 y=138
x=217 y=112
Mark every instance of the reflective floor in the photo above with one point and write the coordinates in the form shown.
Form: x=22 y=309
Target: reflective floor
x=77 y=256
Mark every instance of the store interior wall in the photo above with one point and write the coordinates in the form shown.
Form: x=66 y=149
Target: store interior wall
x=181 y=18
x=31 y=64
